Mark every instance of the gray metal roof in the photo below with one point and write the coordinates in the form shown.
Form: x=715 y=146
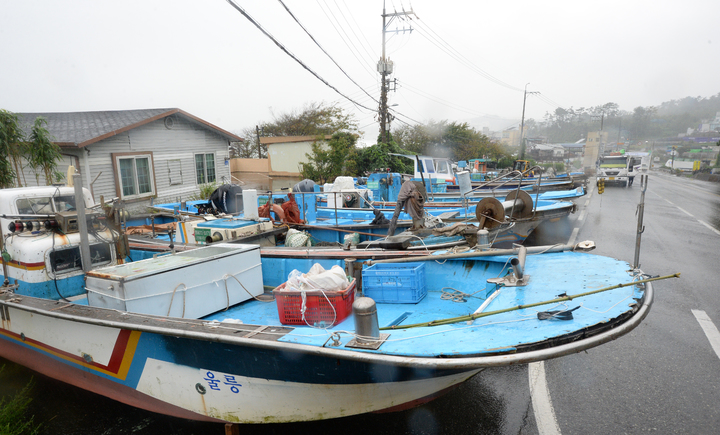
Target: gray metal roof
x=79 y=129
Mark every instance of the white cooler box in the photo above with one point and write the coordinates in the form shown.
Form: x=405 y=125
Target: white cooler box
x=190 y=284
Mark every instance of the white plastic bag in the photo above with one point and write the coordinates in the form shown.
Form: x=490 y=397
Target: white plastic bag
x=318 y=278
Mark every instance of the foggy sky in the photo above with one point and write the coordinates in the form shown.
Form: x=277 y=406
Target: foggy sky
x=207 y=59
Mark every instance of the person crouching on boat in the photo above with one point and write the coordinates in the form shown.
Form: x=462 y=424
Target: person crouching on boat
x=412 y=199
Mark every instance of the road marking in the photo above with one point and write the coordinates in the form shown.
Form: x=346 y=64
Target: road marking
x=686 y=212
x=542 y=405
x=581 y=216
x=691 y=215
x=711 y=331
x=587 y=202
x=573 y=236
x=710 y=226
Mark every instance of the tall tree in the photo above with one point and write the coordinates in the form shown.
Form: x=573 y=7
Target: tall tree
x=379 y=157
x=43 y=154
x=454 y=140
x=331 y=159
x=315 y=119
x=11 y=149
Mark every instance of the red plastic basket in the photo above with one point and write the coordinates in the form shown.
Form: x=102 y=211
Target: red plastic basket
x=318 y=310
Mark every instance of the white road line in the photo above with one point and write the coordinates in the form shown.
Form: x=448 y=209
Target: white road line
x=542 y=405
x=587 y=202
x=710 y=226
x=581 y=216
x=684 y=211
x=573 y=236
x=709 y=328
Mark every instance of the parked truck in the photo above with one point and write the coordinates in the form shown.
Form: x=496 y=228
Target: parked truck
x=616 y=169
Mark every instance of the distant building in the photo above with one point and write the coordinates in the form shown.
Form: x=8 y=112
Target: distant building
x=286 y=153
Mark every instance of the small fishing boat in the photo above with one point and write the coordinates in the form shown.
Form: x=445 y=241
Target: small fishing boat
x=196 y=334
x=247 y=334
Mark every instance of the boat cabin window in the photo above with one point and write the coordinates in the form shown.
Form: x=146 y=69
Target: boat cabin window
x=429 y=165
x=65 y=260
x=64 y=203
x=34 y=206
x=442 y=167
x=45 y=205
x=68 y=259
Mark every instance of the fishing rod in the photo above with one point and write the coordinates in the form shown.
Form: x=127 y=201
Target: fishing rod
x=452 y=320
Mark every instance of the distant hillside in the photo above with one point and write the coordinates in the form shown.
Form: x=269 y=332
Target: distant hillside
x=663 y=122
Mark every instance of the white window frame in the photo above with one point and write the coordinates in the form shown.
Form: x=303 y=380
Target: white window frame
x=205 y=177
x=116 y=157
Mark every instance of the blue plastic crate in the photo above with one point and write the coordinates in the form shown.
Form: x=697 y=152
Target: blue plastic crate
x=395 y=283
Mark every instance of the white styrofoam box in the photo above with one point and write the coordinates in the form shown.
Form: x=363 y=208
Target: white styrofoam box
x=190 y=284
x=343 y=183
x=250 y=204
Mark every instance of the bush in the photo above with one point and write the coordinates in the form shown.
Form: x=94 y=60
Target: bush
x=12 y=413
x=205 y=191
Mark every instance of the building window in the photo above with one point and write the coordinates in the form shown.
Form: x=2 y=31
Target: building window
x=205 y=168
x=134 y=175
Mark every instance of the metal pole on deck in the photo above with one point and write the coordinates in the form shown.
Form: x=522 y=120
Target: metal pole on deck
x=4 y=264
x=640 y=227
x=82 y=223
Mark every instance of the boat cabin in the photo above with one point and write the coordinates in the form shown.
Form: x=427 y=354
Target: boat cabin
x=437 y=170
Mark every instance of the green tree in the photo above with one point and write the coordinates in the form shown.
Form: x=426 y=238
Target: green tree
x=455 y=140
x=315 y=119
x=379 y=158
x=331 y=159
x=11 y=149
x=42 y=153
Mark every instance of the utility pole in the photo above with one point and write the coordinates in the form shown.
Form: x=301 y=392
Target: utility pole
x=522 y=125
x=385 y=68
x=257 y=132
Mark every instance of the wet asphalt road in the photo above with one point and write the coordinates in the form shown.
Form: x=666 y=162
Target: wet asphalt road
x=663 y=377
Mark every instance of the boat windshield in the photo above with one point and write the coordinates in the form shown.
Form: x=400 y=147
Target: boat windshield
x=45 y=205
x=442 y=167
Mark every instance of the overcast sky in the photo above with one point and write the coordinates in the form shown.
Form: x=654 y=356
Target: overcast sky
x=463 y=60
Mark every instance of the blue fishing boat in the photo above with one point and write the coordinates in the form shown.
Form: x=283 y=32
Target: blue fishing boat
x=241 y=333
x=198 y=335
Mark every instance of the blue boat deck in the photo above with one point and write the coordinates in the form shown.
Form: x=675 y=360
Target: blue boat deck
x=550 y=275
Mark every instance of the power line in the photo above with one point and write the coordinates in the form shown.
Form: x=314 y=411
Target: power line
x=400 y=114
x=352 y=49
x=282 y=47
x=372 y=55
x=439 y=42
x=441 y=101
x=353 y=30
x=323 y=50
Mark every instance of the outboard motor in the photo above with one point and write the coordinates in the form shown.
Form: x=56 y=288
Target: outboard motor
x=227 y=199
x=304 y=186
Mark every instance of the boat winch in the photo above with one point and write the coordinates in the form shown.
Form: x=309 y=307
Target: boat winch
x=490 y=212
